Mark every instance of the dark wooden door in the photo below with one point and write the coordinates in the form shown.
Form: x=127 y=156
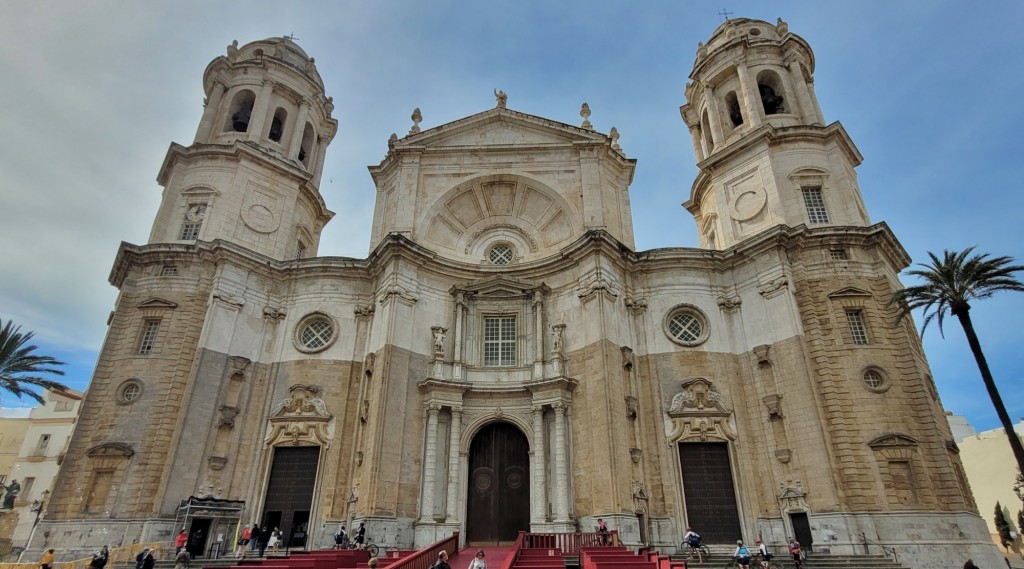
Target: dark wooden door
x=802 y=531
x=709 y=492
x=499 y=485
x=290 y=490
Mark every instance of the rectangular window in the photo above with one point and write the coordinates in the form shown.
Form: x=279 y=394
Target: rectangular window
x=837 y=254
x=169 y=271
x=190 y=231
x=500 y=341
x=26 y=489
x=815 y=204
x=857 y=329
x=300 y=250
x=44 y=441
x=148 y=338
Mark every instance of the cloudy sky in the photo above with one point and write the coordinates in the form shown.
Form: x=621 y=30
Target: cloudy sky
x=92 y=94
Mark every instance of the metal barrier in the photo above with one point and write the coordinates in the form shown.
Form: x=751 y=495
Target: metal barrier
x=425 y=558
x=571 y=543
x=123 y=554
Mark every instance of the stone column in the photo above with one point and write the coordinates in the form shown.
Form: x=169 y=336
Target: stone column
x=321 y=151
x=540 y=483
x=429 y=464
x=457 y=357
x=453 y=465
x=300 y=127
x=803 y=96
x=751 y=98
x=714 y=119
x=210 y=112
x=698 y=148
x=259 y=111
x=814 y=103
x=538 y=334
x=561 y=472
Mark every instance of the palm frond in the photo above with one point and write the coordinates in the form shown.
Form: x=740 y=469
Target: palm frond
x=20 y=367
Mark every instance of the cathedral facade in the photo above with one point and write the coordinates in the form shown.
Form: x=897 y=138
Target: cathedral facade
x=504 y=359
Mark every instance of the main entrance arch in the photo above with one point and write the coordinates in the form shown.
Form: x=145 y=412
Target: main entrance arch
x=498 y=506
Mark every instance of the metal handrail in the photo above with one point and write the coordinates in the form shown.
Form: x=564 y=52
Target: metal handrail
x=887 y=550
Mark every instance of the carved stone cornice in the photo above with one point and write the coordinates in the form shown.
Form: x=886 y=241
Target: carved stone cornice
x=773 y=287
x=729 y=303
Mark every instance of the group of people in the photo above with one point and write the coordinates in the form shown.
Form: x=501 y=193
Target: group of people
x=256 y=539
x=341 y=539
x=742 y=553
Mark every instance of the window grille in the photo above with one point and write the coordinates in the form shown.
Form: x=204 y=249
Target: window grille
x=816 y=213
x=148 y=337
x=500 y=341
x=857 y=329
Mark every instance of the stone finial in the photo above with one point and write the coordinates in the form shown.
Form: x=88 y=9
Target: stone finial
x=329 y=106
x=392 y=140
x=781 y=27
x=233 y=51
x=702 y=51
x=614 y=134
x=311 y=66
x=416 y=118
x=501 y=98
x=585 y=113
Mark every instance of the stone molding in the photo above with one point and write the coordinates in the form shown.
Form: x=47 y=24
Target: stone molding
x=300 y=418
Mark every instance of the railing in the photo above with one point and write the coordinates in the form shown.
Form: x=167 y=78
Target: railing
x=118 y=555
x=516 y=548
x=425 y=558
x=887 y=550
x=572 y=543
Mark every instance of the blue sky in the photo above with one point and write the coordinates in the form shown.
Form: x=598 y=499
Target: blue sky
x=94 y=92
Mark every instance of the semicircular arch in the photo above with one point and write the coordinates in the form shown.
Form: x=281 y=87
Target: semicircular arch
x=472 y=429
x=468 y=218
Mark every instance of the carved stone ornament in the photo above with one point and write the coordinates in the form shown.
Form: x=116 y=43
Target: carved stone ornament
x=729 y=303
x=594 y=284
x=894 y=446
x=635 y=304
x=274 y=312
x=365 y=311
x=217 y=462
x=783 y=455
x=761 y=353
x=699 y=412
x=239 y=364
x=792 y=496
x=631 y=407
x=371 y=359
x=697 y=395
x=229 y=300
x=627 y=358
x=640 y=497
x=634 y=454
x=227 y=417
x=302 y=418
x=774 y=404
x=773 y=287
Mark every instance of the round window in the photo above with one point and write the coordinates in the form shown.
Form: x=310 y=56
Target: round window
x=315 y=332
x=501 y=254
x=685 y=324
x=874 y=379
x=129 y=391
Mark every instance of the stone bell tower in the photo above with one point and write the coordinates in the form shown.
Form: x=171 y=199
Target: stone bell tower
x=252 y=174
x=765 y=153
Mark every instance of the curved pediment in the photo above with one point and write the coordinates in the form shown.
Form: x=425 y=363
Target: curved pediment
x=892 y=440
x=499 y=286
x=110 y=449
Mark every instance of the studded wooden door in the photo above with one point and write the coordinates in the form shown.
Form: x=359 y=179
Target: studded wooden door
x=709 y=492
x=499 y=485
x=290 y=492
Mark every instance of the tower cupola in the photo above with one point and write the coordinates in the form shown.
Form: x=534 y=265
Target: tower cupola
x=252 y=173
x=765 y=154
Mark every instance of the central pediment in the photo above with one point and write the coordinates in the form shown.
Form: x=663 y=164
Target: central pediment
x=500 y=127
x=499 y=287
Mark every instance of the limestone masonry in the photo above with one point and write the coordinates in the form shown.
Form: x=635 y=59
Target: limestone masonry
x=503 y=359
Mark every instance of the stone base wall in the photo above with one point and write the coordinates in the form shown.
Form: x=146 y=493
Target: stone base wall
x=78 y=539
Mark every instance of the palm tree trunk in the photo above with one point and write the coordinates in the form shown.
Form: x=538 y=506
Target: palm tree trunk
x=990 y=385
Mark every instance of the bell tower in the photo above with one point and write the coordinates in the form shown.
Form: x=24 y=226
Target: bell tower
x=765 y=154
x=252 y=174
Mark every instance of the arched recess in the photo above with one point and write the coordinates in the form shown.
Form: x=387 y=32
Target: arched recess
x=299 y=432
x=702 y=431
x=306 y=147
x=498 y=493
x=467 y=219
x=896 y=455
x=772 y=92
x=239 y=112
x=277 y=124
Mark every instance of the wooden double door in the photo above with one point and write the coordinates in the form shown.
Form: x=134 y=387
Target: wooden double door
x=709 y=492
x=498 y=507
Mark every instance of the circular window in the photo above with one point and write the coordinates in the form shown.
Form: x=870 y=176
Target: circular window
x=874 y=379
x=315 y=333
x=129 y=391
x=501 y=254
x=685 y=324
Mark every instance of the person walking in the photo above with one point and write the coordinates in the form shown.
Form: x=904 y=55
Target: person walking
x=181 y=541
x=263 y=540
x=692 y=541
x=794 y=548
x=742 y=554
x=149 y=561
x=478 y=562
x=442 y=560
x=182 y=560
x=99 y=561
x=254 y=537
x=47 y=561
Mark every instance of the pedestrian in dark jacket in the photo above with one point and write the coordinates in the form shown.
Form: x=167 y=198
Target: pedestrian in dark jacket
x=263 y=540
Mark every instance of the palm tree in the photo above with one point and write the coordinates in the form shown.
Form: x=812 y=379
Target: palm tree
x=19 y=367
x=950 y=284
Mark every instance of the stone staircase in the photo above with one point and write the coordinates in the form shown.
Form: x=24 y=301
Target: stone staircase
x=721 y=556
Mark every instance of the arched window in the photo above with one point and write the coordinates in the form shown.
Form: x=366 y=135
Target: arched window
x=277 y=125
x=733 y=104
x=306 y=148
x=240 y=111
x=769 y=86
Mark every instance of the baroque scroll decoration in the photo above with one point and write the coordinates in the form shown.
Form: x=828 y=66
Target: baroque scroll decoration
x=699 y=412
x=792 y=497
x=300 y=419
